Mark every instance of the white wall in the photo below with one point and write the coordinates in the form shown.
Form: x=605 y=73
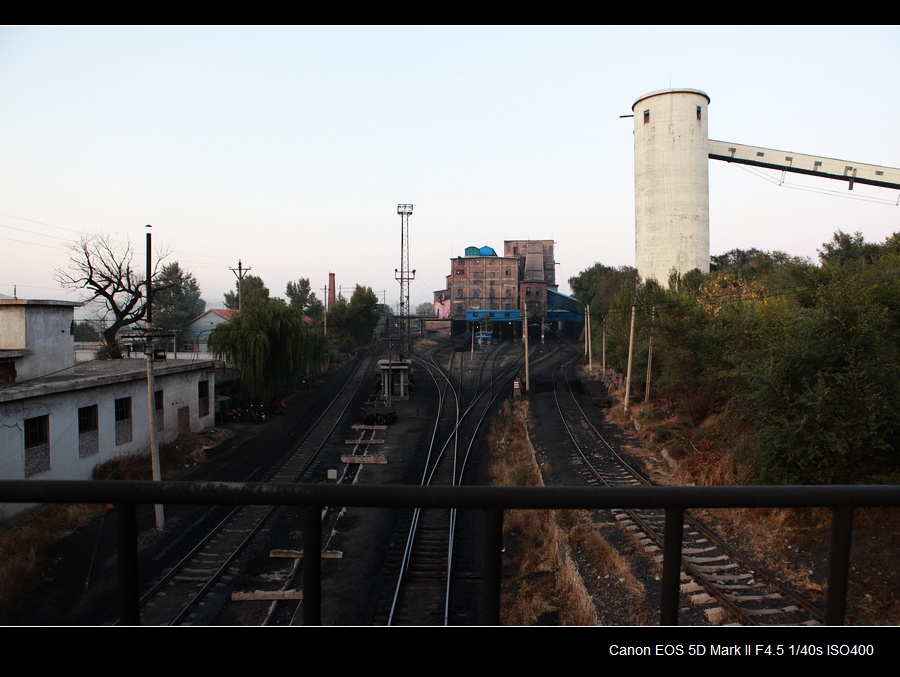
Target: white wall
x=671 y=183
x=180 y=391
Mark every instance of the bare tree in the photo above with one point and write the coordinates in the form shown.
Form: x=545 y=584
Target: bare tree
x=104 y=269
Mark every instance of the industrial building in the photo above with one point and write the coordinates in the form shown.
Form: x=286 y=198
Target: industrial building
x=496 y=293
x=672 y=150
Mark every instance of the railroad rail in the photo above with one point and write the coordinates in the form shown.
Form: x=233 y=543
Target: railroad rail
x=427 y=580
x=190 y=590
x=717 y=575
x=296 y=485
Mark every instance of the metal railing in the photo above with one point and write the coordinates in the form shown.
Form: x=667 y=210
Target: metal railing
x=492 y=501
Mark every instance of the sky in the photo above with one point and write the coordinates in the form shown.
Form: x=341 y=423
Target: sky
x=288 y=148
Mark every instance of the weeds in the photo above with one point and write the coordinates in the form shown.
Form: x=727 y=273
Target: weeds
x=26 y=539
x=543 y=581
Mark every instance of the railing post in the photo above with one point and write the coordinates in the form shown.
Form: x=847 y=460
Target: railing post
x=671 y=576
x=312 y=565
x=493 y=563
x=839 y=565
x=129 y=588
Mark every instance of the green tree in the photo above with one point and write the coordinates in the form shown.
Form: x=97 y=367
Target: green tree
x=246 y=292
x=179 y=303
x=352 y=323
x=845 y=248
x=425 y=309
x=303 y=300
x=597 y=286
x=85 y=332
x=271 y=346
x=821 y=390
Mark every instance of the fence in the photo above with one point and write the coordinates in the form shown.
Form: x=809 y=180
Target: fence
x=493 y=501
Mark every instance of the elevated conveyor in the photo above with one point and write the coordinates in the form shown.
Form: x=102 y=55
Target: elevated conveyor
x=811 y=165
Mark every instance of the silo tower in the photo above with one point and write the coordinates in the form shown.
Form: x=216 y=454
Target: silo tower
x=671 y=183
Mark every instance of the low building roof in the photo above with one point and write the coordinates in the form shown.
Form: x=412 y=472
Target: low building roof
x=221 y=312
x=97 y=373
x=6 y=301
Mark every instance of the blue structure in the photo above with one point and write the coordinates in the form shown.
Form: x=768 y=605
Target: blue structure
x=494 y=315
x=563 y=302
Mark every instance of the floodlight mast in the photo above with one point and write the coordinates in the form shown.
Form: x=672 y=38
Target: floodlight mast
x=404 y=275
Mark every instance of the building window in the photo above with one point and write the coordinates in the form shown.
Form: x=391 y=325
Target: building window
x=160 y=412
x=646 y=116
x=37 y=445
x=699 y=113
x=88 y=431
x=537 y=292
x=7 y=371
x=123 y=420
x=203 y=398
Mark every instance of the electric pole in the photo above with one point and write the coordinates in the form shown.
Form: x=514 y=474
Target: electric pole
x=239 y=273
x=325 y=314
x=649 y=354
x=151 y=387
x=630 y=355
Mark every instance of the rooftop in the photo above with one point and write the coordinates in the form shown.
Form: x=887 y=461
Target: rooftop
x=97 y=373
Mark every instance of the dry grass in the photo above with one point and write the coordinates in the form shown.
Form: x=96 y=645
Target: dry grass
x=547 y=550
x=26 y=539
x=792 y=544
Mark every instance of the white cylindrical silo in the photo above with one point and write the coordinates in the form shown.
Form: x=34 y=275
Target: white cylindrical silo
x=671 y=183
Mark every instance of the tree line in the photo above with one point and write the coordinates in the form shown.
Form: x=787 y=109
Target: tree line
x=790 y=369
x=274 y=342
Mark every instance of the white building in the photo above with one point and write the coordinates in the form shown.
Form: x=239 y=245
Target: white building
x=59 y=419
x=194 y=338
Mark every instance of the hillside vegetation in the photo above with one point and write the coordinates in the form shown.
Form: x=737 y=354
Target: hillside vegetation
x=768 y=370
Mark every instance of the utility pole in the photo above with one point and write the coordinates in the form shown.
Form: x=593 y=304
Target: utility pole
x=325 y=314
x=151 y=388
x=603 y=332
x=630 y=354
x=525 y=328
x=239 y=273
x=587 y=338
x=649 y=355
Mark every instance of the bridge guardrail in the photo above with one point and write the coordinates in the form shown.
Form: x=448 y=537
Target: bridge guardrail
x=492 y=500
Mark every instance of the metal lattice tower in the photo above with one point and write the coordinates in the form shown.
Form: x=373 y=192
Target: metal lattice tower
x=404 y=275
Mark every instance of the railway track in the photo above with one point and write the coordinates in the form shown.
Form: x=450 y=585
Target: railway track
x=435 y=576
x=195 y=587
x=716 y=578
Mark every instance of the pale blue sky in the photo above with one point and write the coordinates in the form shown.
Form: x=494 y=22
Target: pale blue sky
x=289 y=148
